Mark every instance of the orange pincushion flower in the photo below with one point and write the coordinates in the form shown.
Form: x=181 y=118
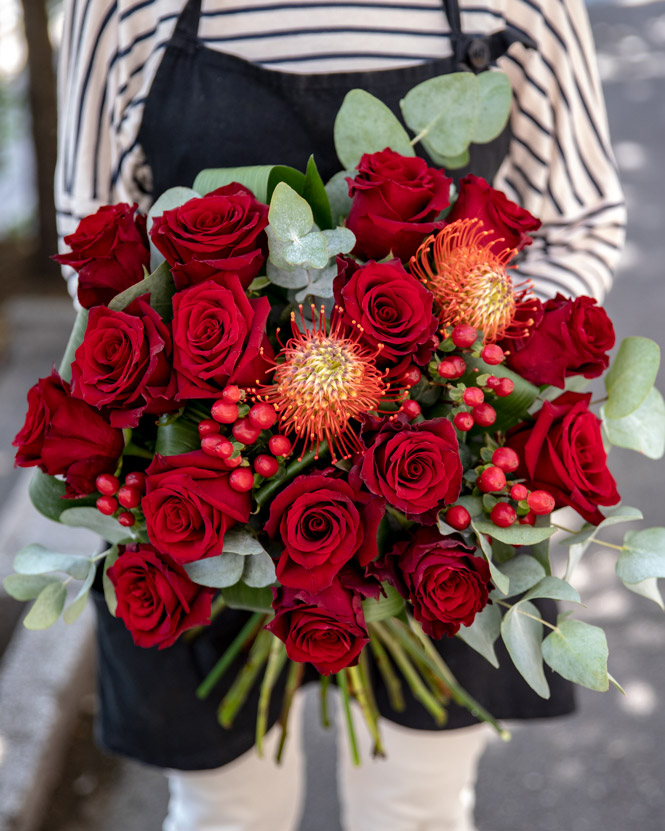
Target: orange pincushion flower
x=325 y=380
x=470 y=283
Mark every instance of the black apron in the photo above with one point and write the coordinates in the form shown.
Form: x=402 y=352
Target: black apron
x=211 y=109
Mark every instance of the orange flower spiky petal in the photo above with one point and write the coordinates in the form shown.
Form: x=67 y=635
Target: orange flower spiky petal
x=469 y=281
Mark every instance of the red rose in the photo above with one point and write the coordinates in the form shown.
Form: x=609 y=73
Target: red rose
x=572 y=337
x=414 y=467
x=63 y=435
x=218 y=334
x=393 y=309
x=214 y=236
x=396 y=203
x=562 y=453
x=446 y=584
x=326 y=629
x=109 y=251
x=189 y=505
x=123 y=364
x=323 y=523
x=156 y=599
x=509 y=224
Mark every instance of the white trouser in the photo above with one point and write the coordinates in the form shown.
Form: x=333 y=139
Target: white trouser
x=424 y=784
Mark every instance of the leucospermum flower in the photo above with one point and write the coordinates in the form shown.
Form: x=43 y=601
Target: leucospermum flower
x=322 y=381
x=471 y=284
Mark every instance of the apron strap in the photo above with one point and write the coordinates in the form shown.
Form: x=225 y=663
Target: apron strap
x=451 y=8
x=188 y=21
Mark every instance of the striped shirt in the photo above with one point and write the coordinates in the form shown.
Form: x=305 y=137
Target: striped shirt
x=560 y=164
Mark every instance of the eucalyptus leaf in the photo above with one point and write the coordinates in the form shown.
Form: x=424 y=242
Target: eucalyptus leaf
x=242 y=542
x=75 y=340
x=259 y=570
x=47 y=607
x=649 y=589
x=578 y=651
x=337 y=189
x=575 y=554
x=27 y=586
x=216 y=572
x=242 y=596
x=339 y=241
x=515 y=534
x=631 y=375
x=309 y=250
x=107 y=527
x=643 y=555
x=613 y=516
x=522 y=635
x=483 y=632
x=36 y=559
x=555 y=588
x=500 y=580
x=109 y=589
x=47 y=494
x=159 y=285
x=385 y=607
x=473 y=504
x=541 y=552
x=366 y=125
x=450 y=162
x=523 y=572
x=320 y=285
x=76 y=607
x=643 y=430
x=495 y=101
x=290 y=215
x=287 y=278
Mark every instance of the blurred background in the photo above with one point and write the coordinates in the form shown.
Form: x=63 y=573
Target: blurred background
x=599 y=769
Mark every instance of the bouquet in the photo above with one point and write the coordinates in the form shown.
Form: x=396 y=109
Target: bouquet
x=337 y=407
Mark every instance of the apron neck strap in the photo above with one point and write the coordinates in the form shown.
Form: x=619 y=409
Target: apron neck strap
x=188 y=22
x=453 y=14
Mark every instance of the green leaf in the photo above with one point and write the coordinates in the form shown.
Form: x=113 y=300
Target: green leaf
x=180 y=436
x=450 y=162
x=613 y=516
x=242 y=596
x=500 y=580
x=242 y=542
x=109 y=588
x=107 y=527
x=511 y=409
x=76 y=607
x=643 y=430
x=159 y=285
x=473 y=504
x=515 y=534
x=631 y=376
x=47 y=494
x=282 y=173
x=541 y=552
x=523 y=572
x=337 y=189
x=75 y=340
x=27 y=586
x=309 y=250
x=555 y=588
x=290 y=215
x=649 y=589
x=366 y=125
x=259 y=570
x=255 y=178
x=314 y=192
x=575 y=554
x=36 y=559
x=443 y=112
x=339 y=241
x=483 y=632
x=47 y=608
x=643 y=555
x=217 y=572
x=495 y=101
x=578 y=651
x=384 y=607
x=320 y=285
x=522 y=636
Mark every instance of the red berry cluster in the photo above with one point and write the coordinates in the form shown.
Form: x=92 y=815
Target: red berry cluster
x=115 y=496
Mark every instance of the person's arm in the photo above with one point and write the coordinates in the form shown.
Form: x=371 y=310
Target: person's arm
x=561 y=166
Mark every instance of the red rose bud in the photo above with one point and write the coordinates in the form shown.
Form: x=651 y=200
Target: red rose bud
x=473 y=396
x=411 y=409
x=458 y=517
x=411 y=376
x=207 y=427
x=209 y=443
x=107 y=505
x=224 y=412
x=231 y=394
x=506 y=459
x=484 y=415
x=127 y=519
x=504 y=388
x=245 y=432
x=129 y=497
x=135 y=480
x=493 y=382
x=541 y=502
x=519 y=492
x=529 y=519
x=107 y=484
x=452 y=367
x=266 y=466
x=280 y=445
x=463 y=336
x=262 y=416
x=503 y=515
x=242 y=479
x=492 y=354
x=492 y=480
x=463 y=421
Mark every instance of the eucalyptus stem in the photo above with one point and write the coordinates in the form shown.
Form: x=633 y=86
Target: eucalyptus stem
x=323 y=693
x=276 y=661
x=293 y=680
x=229 y=656
x=239 y=690
x=346 y=702
x=414 y=681
x=357 y=682
x=526 y=614
x=266 y=492
x=390 y=679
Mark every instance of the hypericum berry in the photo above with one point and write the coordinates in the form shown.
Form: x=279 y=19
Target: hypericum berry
x=503 y=515
x=246 y=432
x=484 y=415
x=224 y=449
x=529 y=519
x=226 y=412
x=233 y=461
x=280 y=445
x=493 y=382
x=492 y=480
x=242 y=479
x=208 y=426
x=127 y=519
x=506 y=459
x=129 y=497
x=463 y=336
x=519 y=492
x=541 y=502
x=411 y=409
x=458 y=517
x=451 y=367
x=135 y=480
x=107 y=505
x=265 y=465
x=209 y=443
x=262 y=416
x=473 y=396
x=504 y=388
x=492 y=354
x=107 y=484
x=411 y=376
x=463 y=421
x=231 y=394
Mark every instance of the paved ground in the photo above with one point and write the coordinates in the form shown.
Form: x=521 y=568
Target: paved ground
x=600 y=769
